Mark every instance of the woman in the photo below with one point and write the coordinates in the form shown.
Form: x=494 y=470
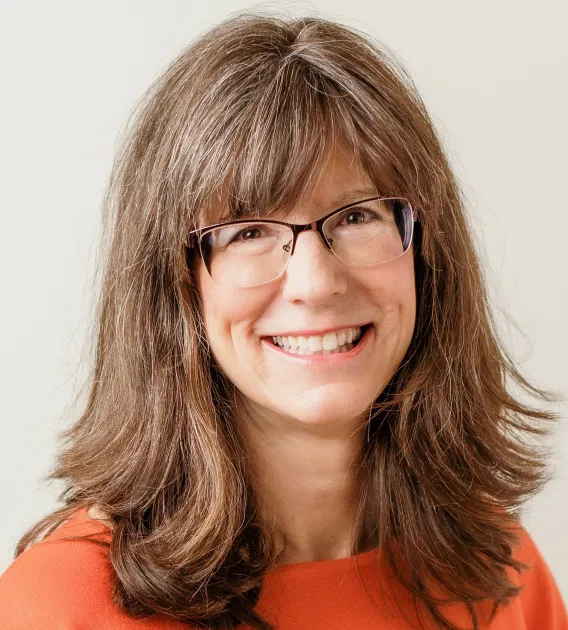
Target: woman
x=298 y=415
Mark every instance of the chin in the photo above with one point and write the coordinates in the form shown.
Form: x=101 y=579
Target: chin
x=334 y=411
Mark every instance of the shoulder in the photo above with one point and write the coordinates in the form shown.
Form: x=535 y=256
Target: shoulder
x=541 y=602
x=60 y=582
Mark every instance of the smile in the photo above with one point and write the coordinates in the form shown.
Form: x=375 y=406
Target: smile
x=344 y=350
x=330 y=343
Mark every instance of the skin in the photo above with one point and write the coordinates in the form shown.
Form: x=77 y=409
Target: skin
x=304 y=427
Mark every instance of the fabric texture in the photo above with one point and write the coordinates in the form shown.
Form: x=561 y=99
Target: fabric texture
x=58 y=584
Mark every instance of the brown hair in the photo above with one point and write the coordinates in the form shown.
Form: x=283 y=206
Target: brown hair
x=242 y=119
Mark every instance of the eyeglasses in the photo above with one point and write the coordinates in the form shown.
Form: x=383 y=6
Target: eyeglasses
x=249 y=253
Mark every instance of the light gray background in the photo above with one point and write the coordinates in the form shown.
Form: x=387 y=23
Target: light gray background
x=493 y=75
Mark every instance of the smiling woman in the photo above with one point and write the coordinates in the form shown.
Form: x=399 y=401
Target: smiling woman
x=298 y=387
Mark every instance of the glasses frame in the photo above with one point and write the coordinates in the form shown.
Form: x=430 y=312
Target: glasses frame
x=196 y=236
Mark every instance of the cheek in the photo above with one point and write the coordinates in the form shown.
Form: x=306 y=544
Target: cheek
x=406 y=298
x=394 y=284
x=392 y=290
x=228 y=313
x=223 y=313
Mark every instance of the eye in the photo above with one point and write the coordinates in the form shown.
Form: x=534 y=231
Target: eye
x=248 y=234
x=358 y=216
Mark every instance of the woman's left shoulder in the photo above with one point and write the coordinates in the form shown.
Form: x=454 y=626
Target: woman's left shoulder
x=540 y=600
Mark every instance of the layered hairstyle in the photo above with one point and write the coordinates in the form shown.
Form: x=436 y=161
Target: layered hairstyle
x=240 y=124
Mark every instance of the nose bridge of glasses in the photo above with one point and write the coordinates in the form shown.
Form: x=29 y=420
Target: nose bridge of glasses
x=316 y=227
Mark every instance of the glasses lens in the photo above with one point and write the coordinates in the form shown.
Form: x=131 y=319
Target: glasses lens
x=246 y=254
x=370 y=233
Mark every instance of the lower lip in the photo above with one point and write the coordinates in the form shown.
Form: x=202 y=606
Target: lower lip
x=322 y=359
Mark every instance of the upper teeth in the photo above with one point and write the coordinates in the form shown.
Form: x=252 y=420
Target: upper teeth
x=330 y=341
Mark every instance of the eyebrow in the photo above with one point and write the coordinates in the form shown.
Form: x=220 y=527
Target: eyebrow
x=343 y=198
x=354 y=195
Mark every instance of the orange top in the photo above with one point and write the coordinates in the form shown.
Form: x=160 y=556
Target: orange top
x=61 y=584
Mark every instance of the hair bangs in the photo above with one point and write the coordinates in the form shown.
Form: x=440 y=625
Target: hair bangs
x=283 y=147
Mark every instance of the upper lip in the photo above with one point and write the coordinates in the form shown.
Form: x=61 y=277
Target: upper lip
x=316 y=333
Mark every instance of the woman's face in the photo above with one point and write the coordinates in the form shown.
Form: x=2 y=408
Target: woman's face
x=316 y=293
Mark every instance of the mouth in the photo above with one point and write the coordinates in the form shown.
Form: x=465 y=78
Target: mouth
x=332 y=343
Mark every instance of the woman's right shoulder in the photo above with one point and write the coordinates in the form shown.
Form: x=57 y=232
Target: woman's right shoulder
x=57 y=582
x=65 y=583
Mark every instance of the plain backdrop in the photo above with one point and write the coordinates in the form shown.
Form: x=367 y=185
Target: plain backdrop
x=493 y=74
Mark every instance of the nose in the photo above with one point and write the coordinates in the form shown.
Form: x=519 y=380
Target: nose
x=314 y=273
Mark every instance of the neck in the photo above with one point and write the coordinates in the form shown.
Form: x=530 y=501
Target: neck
x=305 y=479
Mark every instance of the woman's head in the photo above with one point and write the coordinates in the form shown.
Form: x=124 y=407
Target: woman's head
x=316 y=294
x=268 y=117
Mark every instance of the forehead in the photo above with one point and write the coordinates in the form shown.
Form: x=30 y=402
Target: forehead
x=340 y=178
